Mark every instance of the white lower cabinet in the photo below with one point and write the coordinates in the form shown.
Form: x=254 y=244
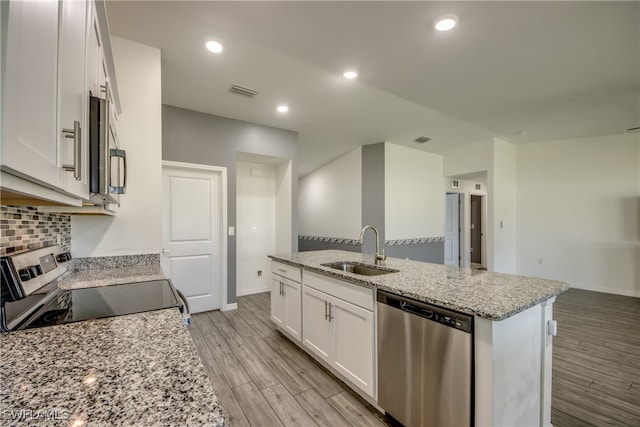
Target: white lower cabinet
x=286 y=305
x=340 y=331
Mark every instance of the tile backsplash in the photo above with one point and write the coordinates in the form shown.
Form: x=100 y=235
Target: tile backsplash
x=23 y=227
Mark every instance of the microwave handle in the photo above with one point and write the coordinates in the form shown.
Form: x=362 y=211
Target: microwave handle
x=116 y=189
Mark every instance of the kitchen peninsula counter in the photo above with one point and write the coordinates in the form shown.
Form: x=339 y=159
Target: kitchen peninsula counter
x=492 y=296
x=139 y=369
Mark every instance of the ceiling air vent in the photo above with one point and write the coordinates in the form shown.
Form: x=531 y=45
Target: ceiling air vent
x=422 y=139
x=243 y=90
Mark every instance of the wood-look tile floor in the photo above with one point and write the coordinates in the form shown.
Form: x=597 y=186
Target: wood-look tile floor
x=263 y=379
x=596 y=360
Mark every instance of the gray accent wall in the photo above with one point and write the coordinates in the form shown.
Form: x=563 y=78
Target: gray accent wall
x=425 y=252
x=305 y=245
x=373 y=194
x=193 y=137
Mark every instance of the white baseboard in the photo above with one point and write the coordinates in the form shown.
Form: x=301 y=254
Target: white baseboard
x=253 y=291
x=229 y=307
x=624 y=292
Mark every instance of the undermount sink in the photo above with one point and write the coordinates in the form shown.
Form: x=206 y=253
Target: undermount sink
x=359 y=268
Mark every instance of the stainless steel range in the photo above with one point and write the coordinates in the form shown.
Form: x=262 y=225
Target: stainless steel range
x=31 y=298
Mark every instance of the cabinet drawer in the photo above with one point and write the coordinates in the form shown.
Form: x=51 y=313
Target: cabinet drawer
x=288 y=271
x=355 y=294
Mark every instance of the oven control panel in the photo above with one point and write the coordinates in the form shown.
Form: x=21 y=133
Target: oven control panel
x=36 y=268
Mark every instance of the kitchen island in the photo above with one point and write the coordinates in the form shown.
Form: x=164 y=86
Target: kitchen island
x=138 y=369
x=512 y=326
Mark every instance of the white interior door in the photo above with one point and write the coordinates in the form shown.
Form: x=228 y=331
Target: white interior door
x=192 y=233
x=452 y=231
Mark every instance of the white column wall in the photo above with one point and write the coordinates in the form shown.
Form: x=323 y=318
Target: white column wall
x=503 y=181
x=414 y=200
x=137 y=228
x=330 y=199
x=578 y=209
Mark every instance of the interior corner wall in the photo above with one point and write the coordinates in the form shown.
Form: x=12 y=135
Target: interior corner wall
x=578 y=208
x=330 y=199
x=255 y=226
x=137 y=228
x=193 y=137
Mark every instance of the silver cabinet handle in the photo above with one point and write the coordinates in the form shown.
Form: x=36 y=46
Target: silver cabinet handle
x=281 y=292
x=330 y=314
x=76 y=134
x=326 y=310
x=282 y=270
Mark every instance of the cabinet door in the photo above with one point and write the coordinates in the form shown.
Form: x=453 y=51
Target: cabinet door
x=29 y=145
x=353 y=344
x=73 y=97
x=277 y=301
x=94 y=56
x=293 y=308
x=317 y=328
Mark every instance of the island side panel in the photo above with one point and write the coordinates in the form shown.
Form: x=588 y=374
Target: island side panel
x=513 y=369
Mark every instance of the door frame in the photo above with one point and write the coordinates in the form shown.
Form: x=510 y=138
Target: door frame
x=222 y=171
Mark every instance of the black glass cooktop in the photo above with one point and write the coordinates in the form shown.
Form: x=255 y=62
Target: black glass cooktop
x=116 y=300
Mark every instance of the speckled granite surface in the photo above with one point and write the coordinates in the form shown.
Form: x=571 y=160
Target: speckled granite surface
x=493 y=296
x=140 y=369
x=110 y=276
x=116 y=261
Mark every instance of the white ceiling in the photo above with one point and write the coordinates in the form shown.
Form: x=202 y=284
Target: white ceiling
x=553 y=69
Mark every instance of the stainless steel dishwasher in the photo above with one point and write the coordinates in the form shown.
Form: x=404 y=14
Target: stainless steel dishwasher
x=425 y=363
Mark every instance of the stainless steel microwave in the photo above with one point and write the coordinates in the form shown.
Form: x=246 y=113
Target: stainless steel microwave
x=107 y=163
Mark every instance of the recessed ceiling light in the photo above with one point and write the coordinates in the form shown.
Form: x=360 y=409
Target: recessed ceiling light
x=214 y=46
x=282 y=108
x=446 y=23
x=350 y=74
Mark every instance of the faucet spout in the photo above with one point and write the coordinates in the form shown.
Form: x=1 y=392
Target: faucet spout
x=380 y=256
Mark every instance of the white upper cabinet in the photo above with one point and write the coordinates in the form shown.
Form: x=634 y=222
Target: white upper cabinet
x=73 y=99
x=29 y=92
x=55 y=59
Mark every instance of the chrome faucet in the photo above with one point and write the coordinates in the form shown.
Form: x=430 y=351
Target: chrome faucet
x=379 y=256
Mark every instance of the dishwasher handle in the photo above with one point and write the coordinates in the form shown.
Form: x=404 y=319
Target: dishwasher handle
x=420 y=311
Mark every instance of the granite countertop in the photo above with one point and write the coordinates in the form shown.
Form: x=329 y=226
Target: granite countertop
x=97 y=277
x=139 y=369
x=494 y=296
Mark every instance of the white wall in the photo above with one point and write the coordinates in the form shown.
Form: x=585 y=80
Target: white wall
x=255 y=208
x=578 y=212
x=330 y=199
x=414 y=197
x=137 y=229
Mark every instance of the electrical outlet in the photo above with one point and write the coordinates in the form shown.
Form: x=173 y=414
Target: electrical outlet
x=259 y=273
x=254 y=229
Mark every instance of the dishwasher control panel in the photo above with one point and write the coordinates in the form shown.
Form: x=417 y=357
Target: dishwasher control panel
x=444 y=316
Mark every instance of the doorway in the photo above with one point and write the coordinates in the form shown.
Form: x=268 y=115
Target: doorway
x=194 y=254
x=476 y=230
